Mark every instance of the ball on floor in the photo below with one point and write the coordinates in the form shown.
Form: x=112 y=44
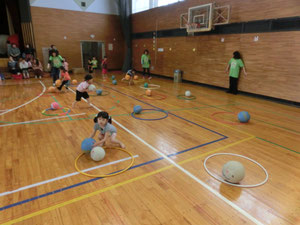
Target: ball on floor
x=148 y=92
x=51 y=89
x=114 y=82
x=58 y=83
x=97 y=153
x=74 y=82
x=87 y=144
x=113 y=77
x=99 y=92
x=127 y=77
x=136 y=77
x=244 y=117
x=54 y=105
x=233 y=172
x=92 y=87
x=188 y=93
x=146 y=85
x=137 y=109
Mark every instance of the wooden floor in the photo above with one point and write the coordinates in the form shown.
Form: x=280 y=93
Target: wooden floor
x=168 y=183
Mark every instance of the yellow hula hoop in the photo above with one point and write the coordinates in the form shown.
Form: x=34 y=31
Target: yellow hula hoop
x=105 y=175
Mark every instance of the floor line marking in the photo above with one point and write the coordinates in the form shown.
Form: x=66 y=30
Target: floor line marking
x=236 y=207
x=44 y=89
x=63 y=177
x=20 y=219
x=31 y=121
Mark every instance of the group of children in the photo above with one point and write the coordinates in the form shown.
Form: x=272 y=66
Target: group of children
x=102 y=122
x=93 y=66
x=24 y=66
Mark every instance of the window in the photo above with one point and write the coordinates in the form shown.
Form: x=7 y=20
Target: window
x=142 y=5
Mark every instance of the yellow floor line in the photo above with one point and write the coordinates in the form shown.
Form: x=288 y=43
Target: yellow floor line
x=20 y=219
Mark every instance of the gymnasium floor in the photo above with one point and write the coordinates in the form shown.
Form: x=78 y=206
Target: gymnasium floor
x=167 y=183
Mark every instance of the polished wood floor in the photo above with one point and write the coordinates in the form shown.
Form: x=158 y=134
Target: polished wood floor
x=168 y=183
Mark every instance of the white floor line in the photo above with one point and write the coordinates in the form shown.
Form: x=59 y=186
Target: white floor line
x=64 y=176
x=2 y=110
x=32 y=121
x=44 y=89
x=216 y=193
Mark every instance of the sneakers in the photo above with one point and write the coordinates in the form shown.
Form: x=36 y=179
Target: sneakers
x=53 y=84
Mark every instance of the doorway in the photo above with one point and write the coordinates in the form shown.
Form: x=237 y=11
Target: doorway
x=90 y=49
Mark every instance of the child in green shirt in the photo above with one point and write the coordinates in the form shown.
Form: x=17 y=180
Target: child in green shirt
x=235 y=64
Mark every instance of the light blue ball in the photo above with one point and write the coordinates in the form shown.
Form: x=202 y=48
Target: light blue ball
x=244 y=117
x=87 y=144
x=113 y=77
x=99 y=92
x=114 y=82
x=137 y=109
x=146 y=85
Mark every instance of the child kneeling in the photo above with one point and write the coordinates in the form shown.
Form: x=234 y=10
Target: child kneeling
x=103 y=124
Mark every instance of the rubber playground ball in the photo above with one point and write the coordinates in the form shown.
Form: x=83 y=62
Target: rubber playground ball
x=74 y=82
x=146 y=85
x=188 y=93
x=244 y=117
x=114 y=82
x=127 y=77
x=97 y=154
x=99 y=92
x=58 y=82
x=51 y=89
x=136 y=77
x=92 y=87
x=113 y=77
x=148 y=92
x=137 y=109
x=87 y=144
x=233 y=172
x=54 y=105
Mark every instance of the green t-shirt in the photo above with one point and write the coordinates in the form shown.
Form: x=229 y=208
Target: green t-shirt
x=56 y=61
x=235 y=65
x=94 y=63
x=145 y=60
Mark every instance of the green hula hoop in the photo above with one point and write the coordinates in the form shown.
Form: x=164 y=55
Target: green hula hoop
x=192 y=97
x=61 y=114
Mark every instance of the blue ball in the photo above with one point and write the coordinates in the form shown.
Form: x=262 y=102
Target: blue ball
x=137 y=109
x=114 y=82
x=113 y=77
x=99 y=92
x=87 y=144
x=244 y=117
x=146 y=85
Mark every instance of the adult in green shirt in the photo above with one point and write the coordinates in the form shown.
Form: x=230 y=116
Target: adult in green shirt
x=146 y=61
x=56 y=62
x=235 y=64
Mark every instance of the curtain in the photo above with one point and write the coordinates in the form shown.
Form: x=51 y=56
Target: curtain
x=125 y=8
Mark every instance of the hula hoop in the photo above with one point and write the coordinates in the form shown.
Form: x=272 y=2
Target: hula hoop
x=159 y=110
x=106 y=93
x=151 y=86
x=236 y=185
x=105 y=175
x=225 y=122
x=160 y=97
x=192 y=97
x=61 y=114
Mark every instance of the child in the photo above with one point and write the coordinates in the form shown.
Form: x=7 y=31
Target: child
x=65 y=77
x=235 y=63
x=37 y=68
x=94 y=64
x=146 y=62
x=66 y=64
x=104 y=68
x=82 y=89
x=103 y=124
x=130 y=73
x=24 y=68
x=90 y=66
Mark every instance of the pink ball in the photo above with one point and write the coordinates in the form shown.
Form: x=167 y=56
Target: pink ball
x=54 y=105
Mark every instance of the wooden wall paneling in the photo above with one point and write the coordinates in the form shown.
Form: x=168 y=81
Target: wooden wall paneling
x=77 y=26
